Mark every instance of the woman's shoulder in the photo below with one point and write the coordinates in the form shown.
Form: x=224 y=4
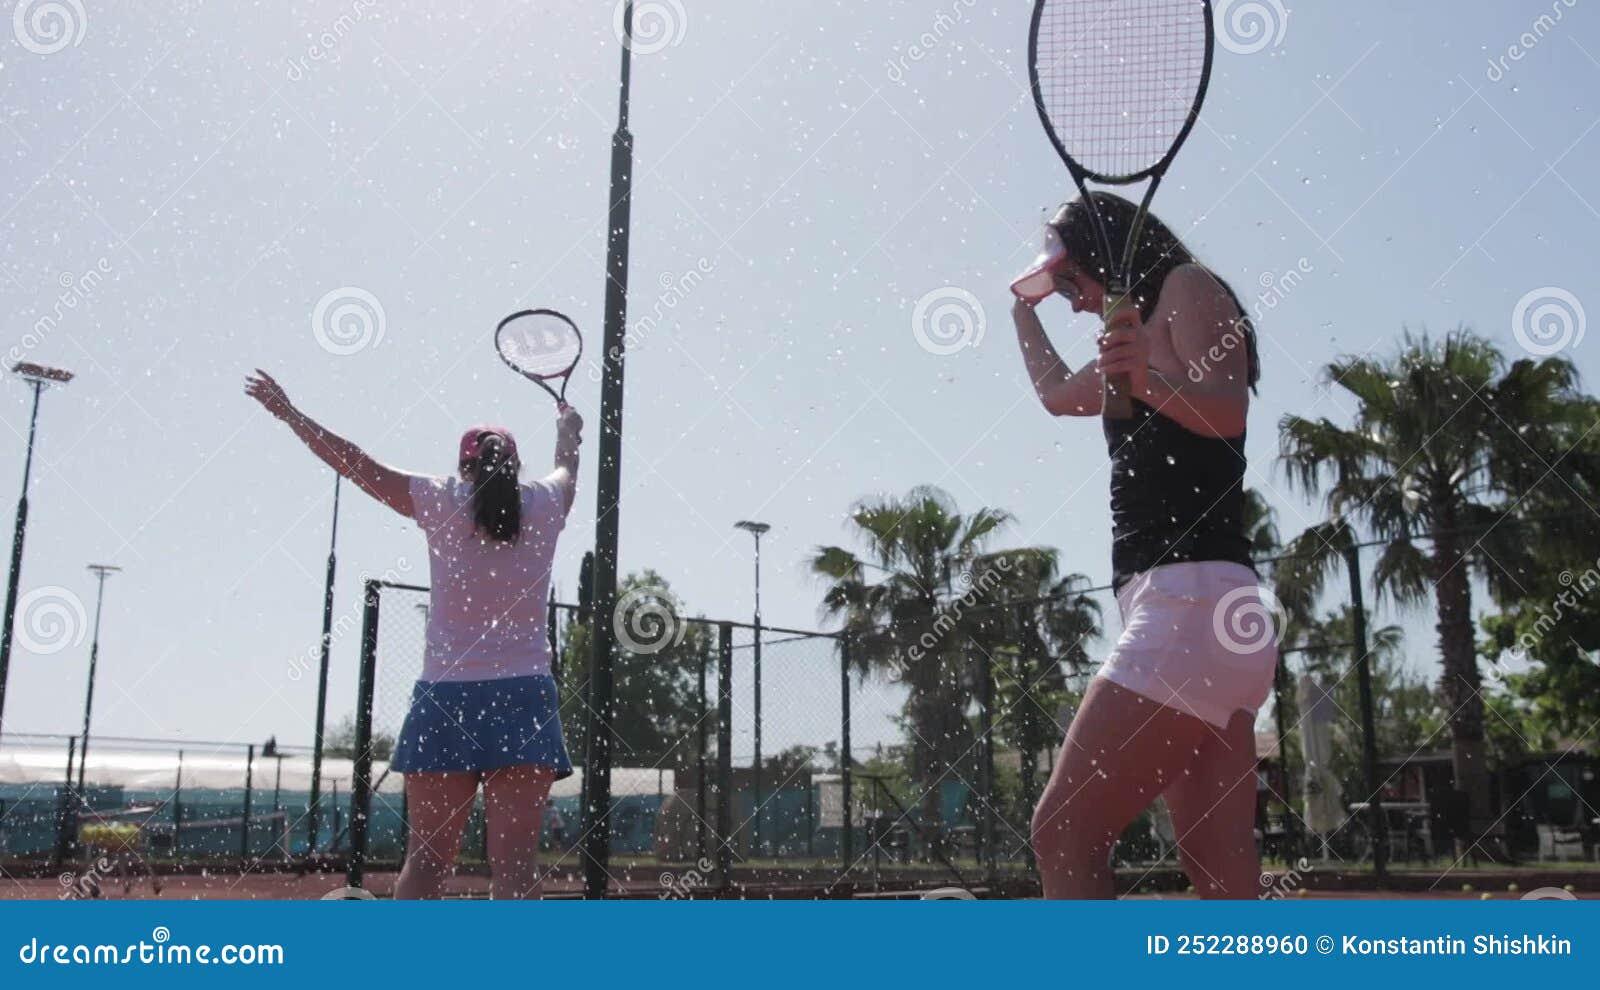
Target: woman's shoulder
x=435 y=498
x=1192 y=281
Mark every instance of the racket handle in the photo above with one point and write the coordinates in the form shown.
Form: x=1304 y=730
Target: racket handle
x=1116 y=391
x=1117 y=397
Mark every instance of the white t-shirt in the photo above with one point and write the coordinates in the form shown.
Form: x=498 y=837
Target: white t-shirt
x=487 y=611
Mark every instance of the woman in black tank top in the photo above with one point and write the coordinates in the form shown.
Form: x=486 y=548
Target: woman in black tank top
x=1172 y=712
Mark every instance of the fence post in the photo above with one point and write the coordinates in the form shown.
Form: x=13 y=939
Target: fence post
x=724 y=756
x=177 y=808
x=847 y=835
x=361 y=785
x=700 y=764
x=66 y=826
x=1369 y=742
x=986 y=819
x=244 y=820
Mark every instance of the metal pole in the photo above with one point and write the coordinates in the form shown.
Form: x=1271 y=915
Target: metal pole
x=755 y=529
x=724 y=756
x=100 y=572
x=847 y=836
x=244 y=820
x=986 y=822
x=1280 y=684
x=314 y=799
x=700 y=765
x=66 y=810
x=361 y=786
x=16 y=552
x=1369 y=742
x=597 y=765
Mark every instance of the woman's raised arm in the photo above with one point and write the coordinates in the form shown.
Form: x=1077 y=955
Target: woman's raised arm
x=388 y=485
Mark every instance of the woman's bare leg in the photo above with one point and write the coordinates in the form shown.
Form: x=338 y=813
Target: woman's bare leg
x=1121 y=751
x=1214 y=811
x=437 y=806
x=514 y=799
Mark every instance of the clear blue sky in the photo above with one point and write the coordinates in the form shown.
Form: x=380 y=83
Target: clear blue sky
x=822 y=166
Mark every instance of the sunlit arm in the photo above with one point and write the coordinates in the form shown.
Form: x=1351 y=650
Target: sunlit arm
x=1063 y=392
x=569 y=440
x=386 y=484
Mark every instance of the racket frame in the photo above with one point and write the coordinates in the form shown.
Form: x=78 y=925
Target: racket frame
x=1117 y=390
x=543 y=381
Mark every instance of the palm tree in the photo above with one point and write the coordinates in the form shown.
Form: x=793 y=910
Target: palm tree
x=899 y=602
x=1447 y=441
x=1035 y=627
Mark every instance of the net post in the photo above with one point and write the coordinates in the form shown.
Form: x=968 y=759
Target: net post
x=361 y=784
x=847 y=833
x=724 y=756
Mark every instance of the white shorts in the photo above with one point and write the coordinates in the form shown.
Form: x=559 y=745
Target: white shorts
x=1199 y=637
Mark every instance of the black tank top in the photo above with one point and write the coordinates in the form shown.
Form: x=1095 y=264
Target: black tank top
x=1175 y=495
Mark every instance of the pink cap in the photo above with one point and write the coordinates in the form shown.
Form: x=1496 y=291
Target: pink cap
x=1038 y=281
x=471 y=440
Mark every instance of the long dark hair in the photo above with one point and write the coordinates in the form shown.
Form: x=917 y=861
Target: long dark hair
x=496 y=498
x=1158 y=252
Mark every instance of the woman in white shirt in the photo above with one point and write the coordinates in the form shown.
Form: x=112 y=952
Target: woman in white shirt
x=485 y=709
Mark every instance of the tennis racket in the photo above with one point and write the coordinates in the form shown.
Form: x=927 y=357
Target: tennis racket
x=543 y=346
x=1118 y=85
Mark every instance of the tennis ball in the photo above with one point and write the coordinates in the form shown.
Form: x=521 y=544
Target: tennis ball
x=1486 y=896
x=1466 y=888
x=1570 y=888
x=1300 y=893
x=1512 y=887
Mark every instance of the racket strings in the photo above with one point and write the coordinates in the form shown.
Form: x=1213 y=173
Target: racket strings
x=543 y=345
x=1119 y=78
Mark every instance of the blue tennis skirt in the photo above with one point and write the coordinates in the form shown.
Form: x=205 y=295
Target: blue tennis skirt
x=476 y=726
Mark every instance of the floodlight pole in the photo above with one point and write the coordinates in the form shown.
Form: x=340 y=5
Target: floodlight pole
x=101 y=571
x=314 y=799
x=756 y=529
x=38 y=377
x=608 y=491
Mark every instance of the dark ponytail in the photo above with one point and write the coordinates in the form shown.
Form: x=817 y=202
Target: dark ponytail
x=496 y=497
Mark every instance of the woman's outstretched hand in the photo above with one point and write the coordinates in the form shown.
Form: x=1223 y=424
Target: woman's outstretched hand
x=265 y=389
x=569 y=425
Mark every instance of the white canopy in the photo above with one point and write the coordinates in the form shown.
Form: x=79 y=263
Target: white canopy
x=156 y=770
